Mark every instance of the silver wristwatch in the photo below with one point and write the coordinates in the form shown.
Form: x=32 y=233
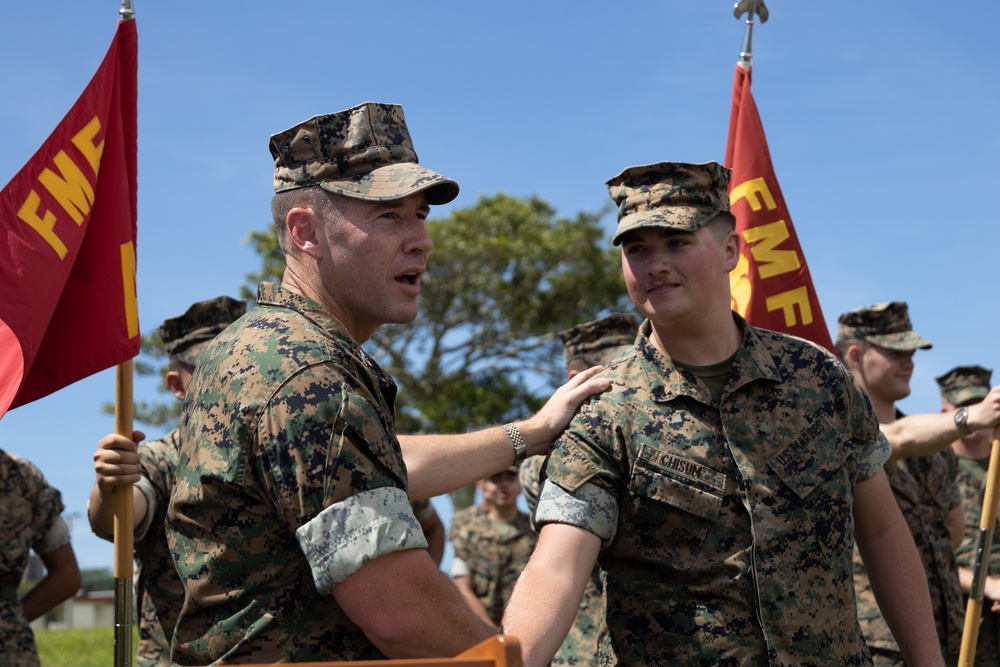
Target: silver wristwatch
x=961 y=420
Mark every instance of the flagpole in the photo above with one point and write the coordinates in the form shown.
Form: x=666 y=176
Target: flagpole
x=124 y=514
x=124 y=524
x=984 y=541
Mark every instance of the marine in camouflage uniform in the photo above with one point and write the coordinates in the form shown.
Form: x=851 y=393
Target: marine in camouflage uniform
x=725 y=507
x=719 y=499
x=159 y=589
x=923 y=486
x=963 y=387
x=30 y=518
x=291 y=503
x=492 y=543
x=589 y=344
x=288 y=448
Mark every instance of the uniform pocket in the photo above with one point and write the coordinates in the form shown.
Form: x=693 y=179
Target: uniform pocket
x=819 y=468
x=682 y=495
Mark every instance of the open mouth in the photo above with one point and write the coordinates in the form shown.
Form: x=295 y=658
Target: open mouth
x=409 y=278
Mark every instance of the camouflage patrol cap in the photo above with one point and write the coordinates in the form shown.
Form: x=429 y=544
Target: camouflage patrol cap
x=598 y=342
x=884 y=324
x=965 y=384
x=669 y=194
x=364 y=152
x=184 y=336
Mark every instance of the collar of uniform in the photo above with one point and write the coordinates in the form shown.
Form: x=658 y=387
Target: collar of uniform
x=665 y=381
x=753 y=362
x=272 y=294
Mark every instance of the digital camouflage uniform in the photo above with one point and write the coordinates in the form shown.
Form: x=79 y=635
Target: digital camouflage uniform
x=30 y=518
x=492 y=553
x=589 y=344
x=290 y=478
x=158 y=588
x=727 y=524
x=962 y=386
x=925 y=491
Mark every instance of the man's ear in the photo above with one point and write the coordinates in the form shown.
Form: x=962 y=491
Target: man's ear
x=852 y=358
x=732 y=247
x=174 y=384
x=302 y=225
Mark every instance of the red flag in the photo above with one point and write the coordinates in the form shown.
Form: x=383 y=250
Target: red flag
x=771 y=285
x=67 y=241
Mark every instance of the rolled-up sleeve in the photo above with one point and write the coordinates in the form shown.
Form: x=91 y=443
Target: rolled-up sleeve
x=589 y=507
x=360 y=528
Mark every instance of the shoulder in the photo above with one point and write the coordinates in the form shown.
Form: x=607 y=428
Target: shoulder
x=632 y=377
x=275 y=351
x=794 y=359
x=798 y=352
x=270 y=334
x=22 y=473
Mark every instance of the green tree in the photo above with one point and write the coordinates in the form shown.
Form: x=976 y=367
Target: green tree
x=505 y=276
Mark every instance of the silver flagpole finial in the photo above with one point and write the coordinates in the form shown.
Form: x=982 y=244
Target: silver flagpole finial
x=126 y=13
x=750 y=8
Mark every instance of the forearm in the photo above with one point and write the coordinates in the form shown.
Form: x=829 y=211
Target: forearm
x=101 y=508
x=444 y=625
x=547 y=596
x=61 y=581
x=410 y=609
x=536 y=617
x=965 y=579
x=991 y=587
x=440 y=463
x=920 y=434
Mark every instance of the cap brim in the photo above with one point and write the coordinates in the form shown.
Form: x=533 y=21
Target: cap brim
x=681 y=218
x=901 y=342
x=968 y=396
x=395 y=181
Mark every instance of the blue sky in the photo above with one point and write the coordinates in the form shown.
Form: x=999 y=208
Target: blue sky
x=881 y=121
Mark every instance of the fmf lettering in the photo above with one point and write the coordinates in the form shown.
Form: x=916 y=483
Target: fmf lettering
x=70 y=188
x=769 y=261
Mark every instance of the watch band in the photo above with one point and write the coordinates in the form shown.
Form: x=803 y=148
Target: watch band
x=520 y=447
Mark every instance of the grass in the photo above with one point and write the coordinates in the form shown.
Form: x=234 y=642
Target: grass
x=79 y=647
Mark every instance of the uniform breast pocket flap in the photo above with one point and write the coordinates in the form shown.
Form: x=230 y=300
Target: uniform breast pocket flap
x=681 y=483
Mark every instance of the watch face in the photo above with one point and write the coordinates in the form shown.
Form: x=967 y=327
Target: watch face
x=961 y=415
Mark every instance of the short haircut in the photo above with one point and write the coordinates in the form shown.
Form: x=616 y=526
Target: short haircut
x=722 y=224
x=319 y=200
